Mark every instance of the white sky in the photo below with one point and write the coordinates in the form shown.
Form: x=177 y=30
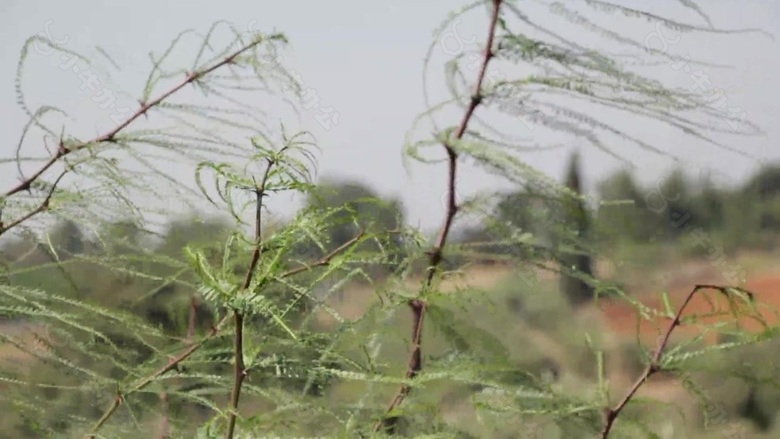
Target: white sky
x=365 y=59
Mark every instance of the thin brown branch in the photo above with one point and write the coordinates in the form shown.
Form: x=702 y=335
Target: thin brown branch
x=435 y=255
x=142 y=383
x=42 y=207
x=239 y=371
x=258 y=247
x=654 y=365
x=107 y=137
x=142 y=110
x=325 y=260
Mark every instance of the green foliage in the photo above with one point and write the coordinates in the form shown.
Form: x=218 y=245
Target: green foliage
x=623 y=213
x=736 y=217
x=354 y=207
x=222 y=321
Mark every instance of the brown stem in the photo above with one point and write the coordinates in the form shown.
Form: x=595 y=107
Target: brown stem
x=654 y=365
x=240 y=372
x=107 y=137
x=419 y=306
x=44 y=206
x=325 y=260
x=141 y=384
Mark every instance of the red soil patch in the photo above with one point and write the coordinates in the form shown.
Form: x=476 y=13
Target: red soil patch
x=707 y=307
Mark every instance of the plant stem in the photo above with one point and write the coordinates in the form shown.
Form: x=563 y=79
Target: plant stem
x=419 y=306
x=654 y=365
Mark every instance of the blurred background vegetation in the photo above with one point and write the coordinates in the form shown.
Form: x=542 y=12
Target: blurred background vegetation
x=537 y=310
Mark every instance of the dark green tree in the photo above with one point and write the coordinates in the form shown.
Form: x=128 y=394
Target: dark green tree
x=623 y=213
x=674 y=203
x=529 y=210
x=575 y=259
x=356 y=207
x=66 y=237
x=710 y=202
x=764 y=190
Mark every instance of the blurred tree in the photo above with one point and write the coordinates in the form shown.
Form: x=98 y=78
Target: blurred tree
x=675 y=205
x=66 y=237
x=709 y=202
x=764 y=189
x=167 y=302
x=576 y=219
x=528 y=210
x=766 y=182
x=623 y=213
x=523 y=212
x=124 y=237
x=356 y=206
x=208 y=232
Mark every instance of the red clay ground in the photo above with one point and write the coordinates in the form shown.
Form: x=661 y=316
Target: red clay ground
x=708 y=306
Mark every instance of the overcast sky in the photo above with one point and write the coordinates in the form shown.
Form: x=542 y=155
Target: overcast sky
x=365 y=60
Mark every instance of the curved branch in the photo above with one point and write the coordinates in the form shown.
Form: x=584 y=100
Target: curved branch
x=435 y=255
x=142 y=110
x=42 y=207
x=240 y=372
x=654 y=365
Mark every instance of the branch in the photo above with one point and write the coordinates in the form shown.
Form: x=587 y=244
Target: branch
x=141 y=384
x=165 y=425
x=44 y=206
x=239 y=371
x=165 y=421
x=26 y=183
x=325 y=260
x=654 y=365
x=435 y=255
